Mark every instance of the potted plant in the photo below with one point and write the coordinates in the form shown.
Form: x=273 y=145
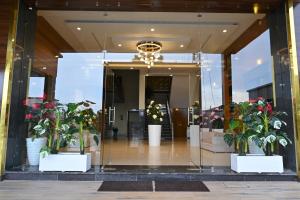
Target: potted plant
x=155 y=117
x=258 y=123
x=115 y=132
x=68 y=120
x=36 y=139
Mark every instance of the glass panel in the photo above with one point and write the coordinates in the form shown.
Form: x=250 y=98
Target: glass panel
x=252 y=73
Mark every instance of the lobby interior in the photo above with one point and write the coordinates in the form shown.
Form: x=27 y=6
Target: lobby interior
x=206 y=57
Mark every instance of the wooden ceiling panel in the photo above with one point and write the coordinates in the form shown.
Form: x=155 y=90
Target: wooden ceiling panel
x=48 y=45
x=218 y=6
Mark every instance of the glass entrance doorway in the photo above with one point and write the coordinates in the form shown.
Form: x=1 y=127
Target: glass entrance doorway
x=130 y=88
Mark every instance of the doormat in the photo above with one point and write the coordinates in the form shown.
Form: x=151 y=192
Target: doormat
x=180 y=186
x=126 y=186
x=153 y=186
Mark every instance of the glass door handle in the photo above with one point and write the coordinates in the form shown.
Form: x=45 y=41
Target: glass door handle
x=112 y=115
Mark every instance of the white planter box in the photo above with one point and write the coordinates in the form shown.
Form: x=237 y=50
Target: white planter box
x=66 y=162
x=256 y=163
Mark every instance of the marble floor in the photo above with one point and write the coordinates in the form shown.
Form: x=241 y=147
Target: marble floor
x=56 y=190
x=138 y=152
x=175 y=153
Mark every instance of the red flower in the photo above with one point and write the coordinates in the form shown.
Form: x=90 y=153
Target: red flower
x=260 y=108
x=28 y=116
x=49 y=105
x=252 y=101
x=36 y=106
x=260 y=98
x=26 y=102
x=269 y=108
x=44 y=97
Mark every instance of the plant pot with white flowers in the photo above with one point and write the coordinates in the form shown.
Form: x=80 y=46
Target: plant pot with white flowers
x=36 y=139
x=155 y=118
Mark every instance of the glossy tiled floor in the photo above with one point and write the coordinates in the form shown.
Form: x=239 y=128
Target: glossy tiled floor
x=49 y=190
x=138 y=152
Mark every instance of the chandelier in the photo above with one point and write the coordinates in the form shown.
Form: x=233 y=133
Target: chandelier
x=149 y=52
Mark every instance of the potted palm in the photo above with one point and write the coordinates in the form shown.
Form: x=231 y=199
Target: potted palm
x=155 y=117
x=37 y=139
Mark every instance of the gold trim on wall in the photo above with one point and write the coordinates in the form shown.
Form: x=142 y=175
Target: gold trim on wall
x=7 y=84
x=294 y=73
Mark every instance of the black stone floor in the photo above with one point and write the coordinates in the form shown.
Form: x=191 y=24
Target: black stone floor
x=143 y=173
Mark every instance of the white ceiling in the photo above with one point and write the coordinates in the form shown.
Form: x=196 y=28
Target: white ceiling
x=106 y=30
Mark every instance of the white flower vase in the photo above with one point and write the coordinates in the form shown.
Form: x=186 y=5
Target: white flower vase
x=33 y=149
x=154 y=134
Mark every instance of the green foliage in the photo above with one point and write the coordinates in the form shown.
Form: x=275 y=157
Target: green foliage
x=256 y=122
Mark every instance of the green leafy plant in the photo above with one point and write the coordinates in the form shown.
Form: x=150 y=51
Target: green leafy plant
x=154 y=113
x=240 y=127
x=83 y=117
x=268 y=127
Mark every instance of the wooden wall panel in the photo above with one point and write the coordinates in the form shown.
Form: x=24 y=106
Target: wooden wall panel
x=220 y=6
x=48 y=45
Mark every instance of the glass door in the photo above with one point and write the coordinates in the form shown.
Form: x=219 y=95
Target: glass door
x=109 y=116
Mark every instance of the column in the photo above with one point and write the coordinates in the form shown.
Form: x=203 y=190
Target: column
x=8 y=29
x=227 y=88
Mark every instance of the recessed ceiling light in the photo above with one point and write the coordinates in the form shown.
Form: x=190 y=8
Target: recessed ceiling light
x=57 y=56
x=259 y=61
x=119 y=45
x=78 y=28
x=181 y=46
x=152 y=29
x=44 y=68
x=148 y=66
x=171 y=74
x=131 y=68
x=225 y=31
x=169 y=68
x=147 y=74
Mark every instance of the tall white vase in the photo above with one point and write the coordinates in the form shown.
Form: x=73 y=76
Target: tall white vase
x=34 y=148
x=154 y=134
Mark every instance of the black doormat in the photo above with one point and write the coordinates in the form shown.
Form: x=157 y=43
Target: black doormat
x=180 y=186
x=126 y=186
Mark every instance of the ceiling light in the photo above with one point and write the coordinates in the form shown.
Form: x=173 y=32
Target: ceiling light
x=78 y=28
x=149 y=52
x=181 y=46
x=171 y=74
x=44 y=68
x=225 y=31
x=119 y=45
x=255 y=8
x=131 y=68
x=148 y=66
x=57 y=56
x=152 y=29
x=259 y=61
x=169 y=68
x=147 y=74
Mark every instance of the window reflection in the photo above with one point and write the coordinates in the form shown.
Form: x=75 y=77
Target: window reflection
x=252 y=70
x=79 y=78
